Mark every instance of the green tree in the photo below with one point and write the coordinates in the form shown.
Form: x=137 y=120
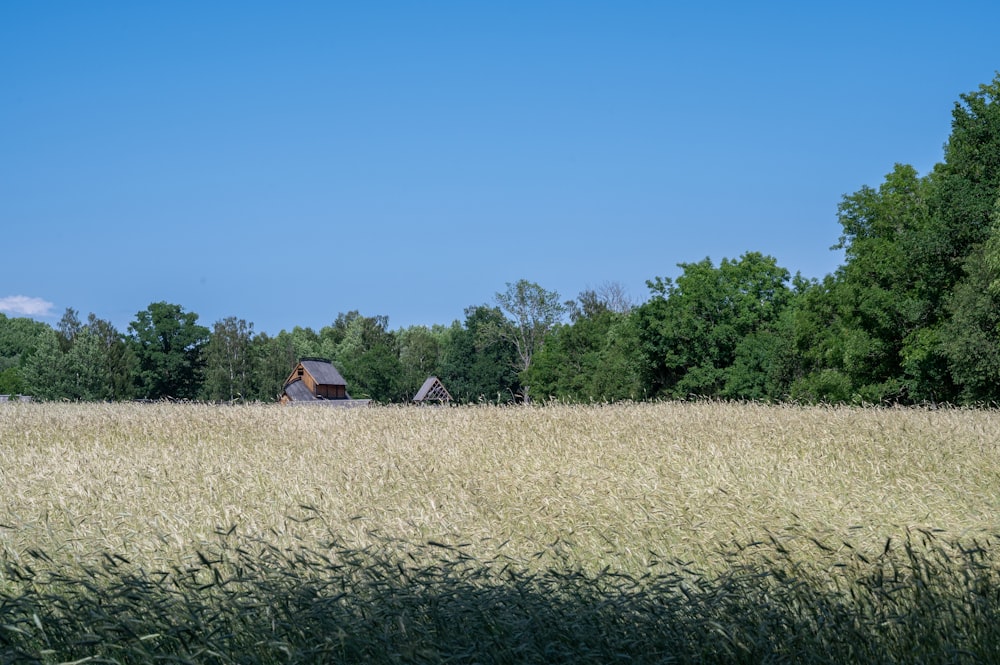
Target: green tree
x=590 y=359
x=19 y=338
x=11 y=382
x=81 y=362
x=949 y=254
x=273 y=360
x=817 y=342
x=911 y=313
x=884 y=298
x=68 y=328
x=307 y=344
x=368 y=357
x=419 y=355
x=532 y=312
x=690 y=330
x=971 y=335
x=229 y=361
x=119 y=364
x=46 y=372
x=168 y=343
x=86 y=369
x=476 y=365
x=766 y=363
x=966 y=185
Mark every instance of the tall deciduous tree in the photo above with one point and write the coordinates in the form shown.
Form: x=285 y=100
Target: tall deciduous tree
x=274 y=359
x=609 y=297
x=690 y=330
x=168 y=342
x=966 y=183
x=19 y=339
x=532 y=312
x=69 y=327
x=368 y=358
x=971 y=336
x=90 y=364
x=911 y=307
x=476 y=365
x=46 y=372
x=229 y=361
x=592 y=358
x=419 y=355
x=885 y=299
x=117 y=359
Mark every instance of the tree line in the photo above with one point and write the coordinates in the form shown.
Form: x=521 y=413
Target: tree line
x=912 y=316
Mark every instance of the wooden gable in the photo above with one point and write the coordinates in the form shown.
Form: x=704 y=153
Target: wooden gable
x=432 y=391
x=314 y=379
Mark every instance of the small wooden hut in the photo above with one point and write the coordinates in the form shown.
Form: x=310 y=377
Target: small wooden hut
x=317 y=381
x=432 y=391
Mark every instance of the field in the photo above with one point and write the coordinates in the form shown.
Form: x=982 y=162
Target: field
x=705 y=532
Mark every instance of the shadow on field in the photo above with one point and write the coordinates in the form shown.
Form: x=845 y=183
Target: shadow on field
x=247 y=601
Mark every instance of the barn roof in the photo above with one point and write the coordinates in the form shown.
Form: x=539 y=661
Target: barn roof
x=299 y=391
x=323 y=372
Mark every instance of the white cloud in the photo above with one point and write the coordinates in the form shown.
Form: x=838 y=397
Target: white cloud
x=25 y=306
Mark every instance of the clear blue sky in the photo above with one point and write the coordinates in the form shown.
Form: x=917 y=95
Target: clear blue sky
x=283 y=162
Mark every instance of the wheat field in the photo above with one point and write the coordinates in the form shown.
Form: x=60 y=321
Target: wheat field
x=613 y=482
x=681 y=495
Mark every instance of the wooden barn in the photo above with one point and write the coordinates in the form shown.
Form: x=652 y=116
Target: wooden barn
x=317 y=381
x=432 y=391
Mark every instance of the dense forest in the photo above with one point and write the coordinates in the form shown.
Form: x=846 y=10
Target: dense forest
x=911 y=317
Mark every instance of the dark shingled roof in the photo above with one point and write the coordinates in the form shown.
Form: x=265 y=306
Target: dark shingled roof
x=299 y=392
x=324 y=372
x=301 y=395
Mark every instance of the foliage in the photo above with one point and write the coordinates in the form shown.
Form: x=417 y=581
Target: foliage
x=229 y=361
x=11 y=382
x=68 y=328
x=590 y=359
x=19 y=337
x=420 y=351
x=168 y=343
x=367 y=355
x=476 y=364
x=881 y=298
x=966 y=183
x=908 y=317
x=117 y=359
x=690 y=330
x=532 y=312
x=971 y=336
x=273 y=360
x=82 y=361
x=46 y=371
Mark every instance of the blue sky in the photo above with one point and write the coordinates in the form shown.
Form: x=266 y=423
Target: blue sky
x=283 y=162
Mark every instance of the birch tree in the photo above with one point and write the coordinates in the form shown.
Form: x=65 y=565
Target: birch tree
x=532 y=312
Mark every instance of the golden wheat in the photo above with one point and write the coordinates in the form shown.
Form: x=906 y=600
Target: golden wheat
x=623 y=486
